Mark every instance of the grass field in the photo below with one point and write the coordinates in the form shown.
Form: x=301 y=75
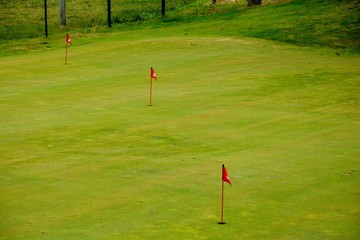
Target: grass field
x=22 y=19
x=84 y=156
x=324 y=23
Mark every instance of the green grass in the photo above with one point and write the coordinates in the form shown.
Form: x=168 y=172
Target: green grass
x=25 y=19
x=320 y=23
x=83 y=156
x=330 y=23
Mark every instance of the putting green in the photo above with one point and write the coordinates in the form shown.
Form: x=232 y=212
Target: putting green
x=84 y=156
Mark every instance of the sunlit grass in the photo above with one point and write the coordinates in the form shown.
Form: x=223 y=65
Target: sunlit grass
x=84 y=156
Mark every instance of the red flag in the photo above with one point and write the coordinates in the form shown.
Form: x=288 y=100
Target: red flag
x=153 y=74
x=68 y=39
x=225 y=176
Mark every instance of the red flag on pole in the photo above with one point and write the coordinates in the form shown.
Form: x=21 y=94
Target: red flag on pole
x=68 y=39
x=153 y=74
x=225 y=176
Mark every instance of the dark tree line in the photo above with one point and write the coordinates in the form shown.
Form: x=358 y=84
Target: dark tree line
x=250 y=2
x=62 y=9
x=254 y=2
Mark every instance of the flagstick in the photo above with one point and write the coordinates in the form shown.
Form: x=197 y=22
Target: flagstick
x=66 y=52
x=150 y=89
x=222 y=204
x=222 y=200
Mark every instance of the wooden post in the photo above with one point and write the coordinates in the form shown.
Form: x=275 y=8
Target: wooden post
x=62 y=12
x=46 y=20
x=163 y=8
x=109 y=12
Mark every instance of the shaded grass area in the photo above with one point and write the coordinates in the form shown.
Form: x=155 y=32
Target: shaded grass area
x=330 y=23
x=83 y=156
x=25 y=19
x=322 y=23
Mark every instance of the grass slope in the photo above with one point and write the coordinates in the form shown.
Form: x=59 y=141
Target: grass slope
x=21 y=19
x=330 y=23
x=83 y=156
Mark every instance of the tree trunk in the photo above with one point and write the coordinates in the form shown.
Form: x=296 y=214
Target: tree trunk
x=254 y=2
x=62 y=11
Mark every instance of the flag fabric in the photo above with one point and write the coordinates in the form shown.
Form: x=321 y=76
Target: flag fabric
x=225 y=176
x=68 y=39
x=153 y=74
